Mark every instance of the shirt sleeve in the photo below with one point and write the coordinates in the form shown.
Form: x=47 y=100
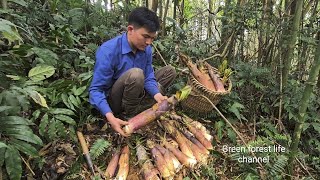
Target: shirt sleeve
x=150 y=83
x=101 y=82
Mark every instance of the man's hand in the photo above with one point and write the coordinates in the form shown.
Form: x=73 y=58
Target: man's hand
x=116 y=123
x=159 y=97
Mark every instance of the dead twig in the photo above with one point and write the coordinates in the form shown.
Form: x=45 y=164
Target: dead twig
x=304 y=168
x=160 y=55
x=28 y=166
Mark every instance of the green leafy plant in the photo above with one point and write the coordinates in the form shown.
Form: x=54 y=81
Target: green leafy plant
x=98 y=148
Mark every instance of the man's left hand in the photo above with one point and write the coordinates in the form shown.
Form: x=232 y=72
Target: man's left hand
x=159 y=97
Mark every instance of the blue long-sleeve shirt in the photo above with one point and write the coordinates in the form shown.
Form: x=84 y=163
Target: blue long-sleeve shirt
x=113 y=58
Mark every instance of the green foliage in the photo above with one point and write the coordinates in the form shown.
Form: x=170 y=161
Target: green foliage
x=98 y=148
x=16 y=135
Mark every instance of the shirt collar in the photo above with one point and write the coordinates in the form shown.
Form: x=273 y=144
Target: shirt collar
x=125 y=44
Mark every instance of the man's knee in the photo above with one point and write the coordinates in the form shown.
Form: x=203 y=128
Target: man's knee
x=136 y=76
x=171 y=70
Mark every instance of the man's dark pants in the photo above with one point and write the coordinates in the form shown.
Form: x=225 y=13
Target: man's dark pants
x=128 y=96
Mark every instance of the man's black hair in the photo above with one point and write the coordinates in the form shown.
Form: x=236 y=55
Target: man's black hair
x=144 y=17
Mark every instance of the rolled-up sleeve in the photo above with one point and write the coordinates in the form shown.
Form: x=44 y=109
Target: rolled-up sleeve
x=101 y=82
x=150 y=83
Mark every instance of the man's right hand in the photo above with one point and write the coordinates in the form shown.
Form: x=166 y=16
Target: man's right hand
x=116 y=123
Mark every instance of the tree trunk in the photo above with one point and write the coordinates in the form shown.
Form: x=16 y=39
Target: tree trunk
x=175 y=3
x=160 y=10
x=163 y=28
x=154 y=6
x=290 y=41
x=225 y=32
x=314 y=73
x=209 y=31
x=181 y=20
x=4 y=4
x=264 y=37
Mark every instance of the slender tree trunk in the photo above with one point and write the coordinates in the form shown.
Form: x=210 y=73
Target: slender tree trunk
x=175 y=3
x=209 y=31
x=163 y=33
x=313 y=75
x=160 y=10
x=4 y=4
x=181 y=20
x=224 y=22
x=154 y=5
x=289 y=44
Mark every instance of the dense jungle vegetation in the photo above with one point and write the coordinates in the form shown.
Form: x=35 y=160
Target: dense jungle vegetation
x=47 y=52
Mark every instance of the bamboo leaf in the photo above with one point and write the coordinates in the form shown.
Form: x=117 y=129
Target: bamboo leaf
x=2 y=145
x=41 y=72
x=13 y=163
x=65 y=118
x=62 y=111
x=6 y=29
x=43 y=124
x=13 y=77
x=45 y=55
x=52 y=129
x=15 y=120
x=26 y=136
x=80 y=90
x=73 y=100
x=20 y=2
x=4 y=108
x=38 y=98
x=24 y=147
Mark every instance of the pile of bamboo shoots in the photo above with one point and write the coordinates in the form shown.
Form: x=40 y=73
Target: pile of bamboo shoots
x=204 y=74
x=187 y=145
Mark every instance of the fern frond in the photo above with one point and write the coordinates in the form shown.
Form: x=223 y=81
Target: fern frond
x=98 y=148
x=279 y=165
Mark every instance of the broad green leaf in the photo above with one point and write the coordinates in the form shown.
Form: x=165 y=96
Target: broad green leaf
x=9 y=31
x=73 y=100
x=43 y=124
x=27 y=136
x=52 y=129
x=80 y=90
x=2 y=145
x=41 y=72
x=13 y=128
x=24 y=147
x=65 y=118
x=47 y=56
x=13 y=163
x=15 y=120
x=61 y=130
x=65 y=100
x=62 y=111
x=38 y=98
x=4 y=108
x=20 y=2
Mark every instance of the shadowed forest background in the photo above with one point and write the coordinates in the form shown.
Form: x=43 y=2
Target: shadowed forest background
x=47 y=55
